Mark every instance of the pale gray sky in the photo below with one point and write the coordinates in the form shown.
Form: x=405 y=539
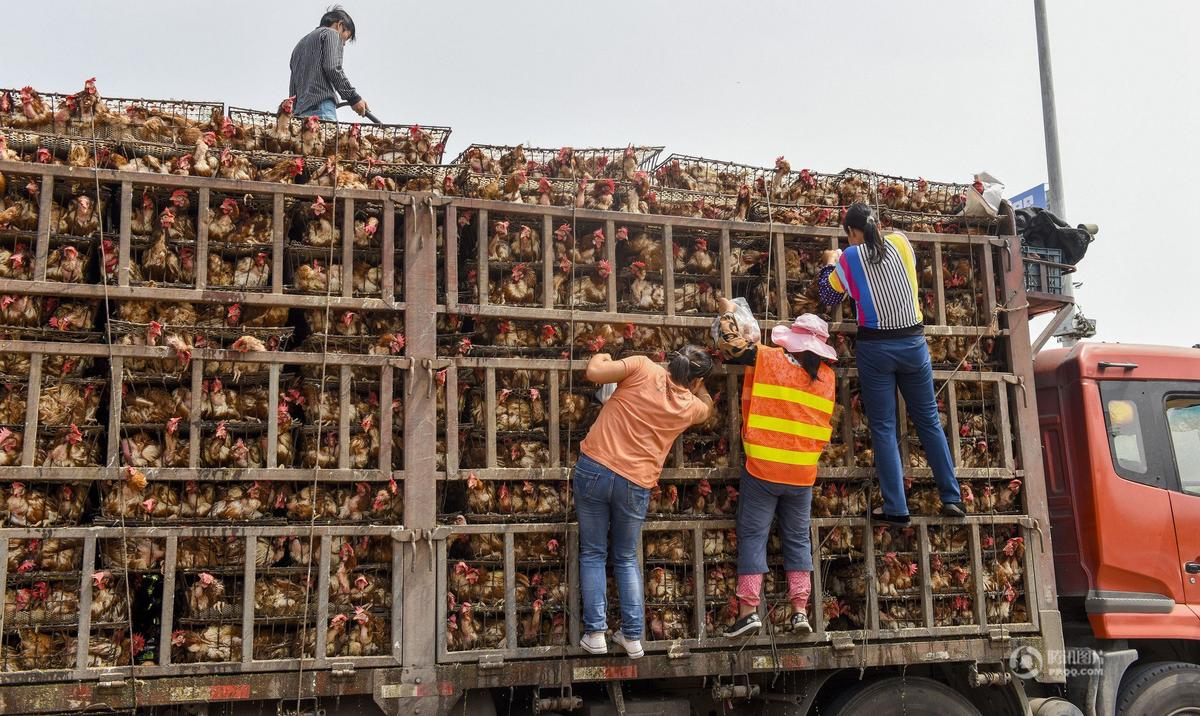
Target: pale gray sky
x=939 y=89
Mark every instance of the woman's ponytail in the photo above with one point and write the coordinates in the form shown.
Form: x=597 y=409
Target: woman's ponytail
x=689 y=363
x=859 y=216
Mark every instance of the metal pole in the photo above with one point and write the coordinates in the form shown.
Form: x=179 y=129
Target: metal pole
x=1057 y=197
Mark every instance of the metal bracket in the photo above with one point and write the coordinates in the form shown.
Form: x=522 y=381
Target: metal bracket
x=677 y=650
x=110 y=681
x=726 y=692
x=401 y=534
x=491 y=662
x=617 y=694
x=978 y=678
x=842 y=642
x=341 y=670
x=439 y=533
x=999 y=634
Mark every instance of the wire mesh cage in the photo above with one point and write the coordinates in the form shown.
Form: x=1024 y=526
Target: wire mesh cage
x=406 y=144
x=559 y=163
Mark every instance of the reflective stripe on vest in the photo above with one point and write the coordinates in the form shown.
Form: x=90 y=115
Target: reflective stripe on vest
x=786 y=457
x=791 y=427
x=791 y=395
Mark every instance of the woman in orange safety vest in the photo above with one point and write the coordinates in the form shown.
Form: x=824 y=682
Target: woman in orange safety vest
x=787 y=407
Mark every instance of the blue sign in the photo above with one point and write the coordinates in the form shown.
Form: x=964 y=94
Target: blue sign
x=1030 y=198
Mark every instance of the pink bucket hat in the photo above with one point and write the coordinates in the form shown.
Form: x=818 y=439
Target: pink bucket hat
x=807 y=333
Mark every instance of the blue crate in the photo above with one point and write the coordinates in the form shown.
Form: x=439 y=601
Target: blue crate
x=1033 y=271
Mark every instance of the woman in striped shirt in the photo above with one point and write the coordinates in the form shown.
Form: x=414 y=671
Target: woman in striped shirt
x=880 y=274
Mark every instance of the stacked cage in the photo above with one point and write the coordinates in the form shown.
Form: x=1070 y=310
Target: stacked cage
x=156 y=371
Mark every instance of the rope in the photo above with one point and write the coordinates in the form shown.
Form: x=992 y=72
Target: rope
x=993 y=330
x=347 y=273
x=112 y=458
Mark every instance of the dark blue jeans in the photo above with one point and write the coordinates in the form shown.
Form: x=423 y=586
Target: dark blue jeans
x=604 y=502
x=883 y=366
x=759 y=502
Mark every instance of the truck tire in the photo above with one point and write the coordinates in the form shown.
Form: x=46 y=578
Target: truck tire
x=1165 y=688
x=1053 y=707
x=896 y=696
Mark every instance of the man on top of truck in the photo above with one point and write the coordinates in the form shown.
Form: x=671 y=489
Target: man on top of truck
x=317 y=76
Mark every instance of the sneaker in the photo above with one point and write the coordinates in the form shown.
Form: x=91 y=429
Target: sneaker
x=953 y=509
x=746 y=626
x=594 y=643
x=879 y=515
x=800 y=624
x=633 y=647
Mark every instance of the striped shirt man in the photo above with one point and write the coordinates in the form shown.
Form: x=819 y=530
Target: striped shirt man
x=885 y=294
x=317 y=74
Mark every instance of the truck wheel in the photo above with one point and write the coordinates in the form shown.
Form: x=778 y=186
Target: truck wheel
x=1166 y=688
x=895 y=696
x=1053 y=707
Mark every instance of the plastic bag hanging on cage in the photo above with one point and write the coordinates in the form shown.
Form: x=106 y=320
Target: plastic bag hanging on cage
x=604 y=392
x=984 y=196
x=746 y=322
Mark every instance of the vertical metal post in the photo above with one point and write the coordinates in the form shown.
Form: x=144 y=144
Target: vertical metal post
x=450 y=264
x=272 y=448
x=194 y=414
x=610 y=255
x=669 y=268
x=387 y=251
x=344 y=403
x=124 y=232
x=420 y=420
x=115 y=401
x=44 y=229
x=248 y=579
x=384 y=461
x=489 y=416
x=553 y=415
x=348 y=248
x=202 y=239
x=169 y=567
x=32 y=395
x=481 y=257
x=277 y=236
x=547 y=262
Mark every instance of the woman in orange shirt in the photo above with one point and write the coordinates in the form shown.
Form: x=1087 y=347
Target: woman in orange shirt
x=619 y=463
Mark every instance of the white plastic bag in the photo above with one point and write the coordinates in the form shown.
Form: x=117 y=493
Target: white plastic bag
x=747 y=324
x=985 y=202
x=604 y=392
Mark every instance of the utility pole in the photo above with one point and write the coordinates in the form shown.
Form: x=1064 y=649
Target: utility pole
x=1066 y=331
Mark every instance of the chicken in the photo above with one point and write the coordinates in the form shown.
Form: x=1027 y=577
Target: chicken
x=206 y=597
x=139 y=554
x=975 y=454
x=63 y=264
x=895 y=576
x=219 y=642
x=237 y=503
x=701 y=261
x=251 y=272
x=320 y=231
x=279 y=597
x=601 y=197
x=204 y=162
x=284 y=172
x=141 y=450
x=696 y=298
x=236 y=167
x=642 y=247
x=591 y=289
x=668 y=623
x=647 y=295
x=481 y=496
x=519 y=288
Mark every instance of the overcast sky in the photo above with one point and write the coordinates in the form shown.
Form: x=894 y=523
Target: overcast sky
x=935 y=89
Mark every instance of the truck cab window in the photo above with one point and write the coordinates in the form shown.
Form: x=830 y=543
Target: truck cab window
x=1125 y=436
x=1183 y=420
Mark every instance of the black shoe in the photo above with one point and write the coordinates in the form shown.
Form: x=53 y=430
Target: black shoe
x=746 y=626
x=879 y=516
x=800 y=624
x=953 y=509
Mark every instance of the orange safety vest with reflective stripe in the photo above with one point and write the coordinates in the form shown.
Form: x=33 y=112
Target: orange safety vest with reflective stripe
x=785 y=418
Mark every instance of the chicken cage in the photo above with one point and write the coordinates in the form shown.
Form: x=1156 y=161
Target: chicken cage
x=517 y=355
x=237 y=412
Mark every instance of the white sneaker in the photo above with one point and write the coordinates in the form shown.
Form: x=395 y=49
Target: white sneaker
x=594 y=643
x=633 y=647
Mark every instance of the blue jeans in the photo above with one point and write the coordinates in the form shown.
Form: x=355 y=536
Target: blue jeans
x=604 y=502
x=325 y=109
x=883 y=366
x=758 y=503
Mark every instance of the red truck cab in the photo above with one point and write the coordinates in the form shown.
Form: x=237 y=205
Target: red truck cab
x=1120 y=433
